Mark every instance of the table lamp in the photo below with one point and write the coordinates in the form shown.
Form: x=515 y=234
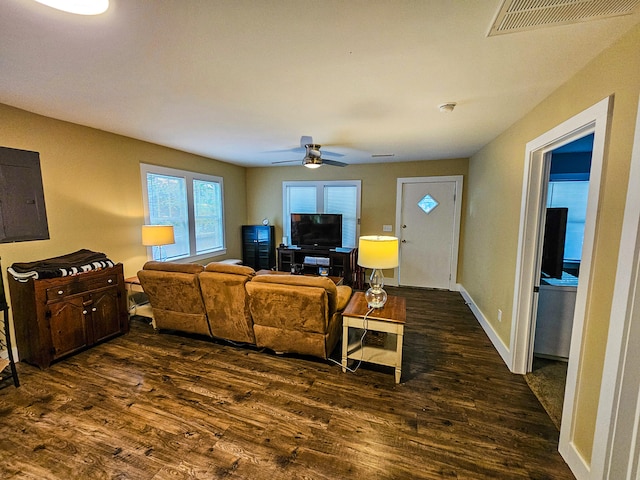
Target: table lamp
x=377 y=252
x=157 y=236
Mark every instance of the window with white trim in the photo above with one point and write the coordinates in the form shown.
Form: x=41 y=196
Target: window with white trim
x=325 y=197
x=192 y=203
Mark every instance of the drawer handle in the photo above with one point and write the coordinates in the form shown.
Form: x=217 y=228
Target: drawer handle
x=60 y=292
x=94 y=309
x=110 y=280
x=84 y=312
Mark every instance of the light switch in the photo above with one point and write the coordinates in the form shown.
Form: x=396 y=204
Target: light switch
x=387 y=228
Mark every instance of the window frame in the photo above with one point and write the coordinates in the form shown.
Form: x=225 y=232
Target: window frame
x=189 y=177
x=320 y=186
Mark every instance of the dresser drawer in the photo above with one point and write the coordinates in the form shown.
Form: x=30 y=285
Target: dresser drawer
x=77 y=287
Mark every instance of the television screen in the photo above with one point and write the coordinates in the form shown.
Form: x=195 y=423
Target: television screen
x=316 y=230
x=553 y=247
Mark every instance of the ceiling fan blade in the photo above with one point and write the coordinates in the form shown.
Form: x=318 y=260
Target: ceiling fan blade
x=334 y=163
x=333 y=154
x=288 y=150
x=286 y=161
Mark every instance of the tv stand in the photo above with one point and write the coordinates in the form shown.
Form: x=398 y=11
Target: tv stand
x=339 y=262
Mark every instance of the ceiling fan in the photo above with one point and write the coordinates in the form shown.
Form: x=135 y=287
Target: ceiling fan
x=313 y=155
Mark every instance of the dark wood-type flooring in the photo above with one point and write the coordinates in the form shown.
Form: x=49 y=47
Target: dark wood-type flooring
x=156 y=406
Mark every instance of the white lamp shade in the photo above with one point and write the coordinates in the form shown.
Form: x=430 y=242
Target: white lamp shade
x=376 y=251
x=156 y=235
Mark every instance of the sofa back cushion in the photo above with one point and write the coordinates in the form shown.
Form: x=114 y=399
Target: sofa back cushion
x=304 y=281
x=173 y=267
x=220 y=267
x=288 y=307
x=226 y=301
x=175 y=297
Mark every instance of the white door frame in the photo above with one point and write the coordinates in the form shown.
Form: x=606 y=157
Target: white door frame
x=594 y=119
x=458 y=179
x=616 y=451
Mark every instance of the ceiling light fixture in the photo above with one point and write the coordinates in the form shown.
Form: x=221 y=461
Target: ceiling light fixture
x=447 y=107
x=312 y=162
x=79 y=7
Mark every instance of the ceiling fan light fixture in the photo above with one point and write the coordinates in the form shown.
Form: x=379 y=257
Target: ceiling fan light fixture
x=79 y=7
x=311 y=162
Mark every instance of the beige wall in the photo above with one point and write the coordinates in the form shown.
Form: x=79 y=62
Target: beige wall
x=264 y=189
x=494 y=198
x=93 y=197
x=93 y=192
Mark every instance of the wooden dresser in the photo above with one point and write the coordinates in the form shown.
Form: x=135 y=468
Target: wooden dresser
x=56 y=317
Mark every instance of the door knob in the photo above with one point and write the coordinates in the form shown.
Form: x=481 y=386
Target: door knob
x=404 y=226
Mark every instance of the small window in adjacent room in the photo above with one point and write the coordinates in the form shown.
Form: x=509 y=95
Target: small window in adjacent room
x=23 y=215
x=191 y=202
x=572 y=195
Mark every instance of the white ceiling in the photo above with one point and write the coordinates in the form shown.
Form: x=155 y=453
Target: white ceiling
x=242 y=80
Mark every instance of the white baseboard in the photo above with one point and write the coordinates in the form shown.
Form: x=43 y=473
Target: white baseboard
x=498 y=344
x=577 y=463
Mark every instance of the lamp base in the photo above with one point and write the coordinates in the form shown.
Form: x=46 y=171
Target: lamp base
x=376 y=297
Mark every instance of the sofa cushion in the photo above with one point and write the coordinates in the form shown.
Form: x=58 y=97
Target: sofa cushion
x=288 y=307
x=175 y=297
x=226 y=301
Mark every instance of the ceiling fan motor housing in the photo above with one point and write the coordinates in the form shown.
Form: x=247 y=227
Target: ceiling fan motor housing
x=313 y=150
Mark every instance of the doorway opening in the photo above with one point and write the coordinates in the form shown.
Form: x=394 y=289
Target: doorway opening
x=562 y=237
x=594 y=119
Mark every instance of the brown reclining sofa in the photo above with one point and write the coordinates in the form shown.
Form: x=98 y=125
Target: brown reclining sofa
x=285 y=313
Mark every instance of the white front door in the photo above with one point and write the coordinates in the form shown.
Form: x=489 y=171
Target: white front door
x=428 y=231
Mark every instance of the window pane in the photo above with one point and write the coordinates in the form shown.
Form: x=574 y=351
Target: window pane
x=298 y=200
x=343 y=199
x=572 y=195
x=207 y=199
x=168 y=206
x=302 y=199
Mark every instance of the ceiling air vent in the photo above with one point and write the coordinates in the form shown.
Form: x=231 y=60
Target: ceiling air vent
x=520 y=15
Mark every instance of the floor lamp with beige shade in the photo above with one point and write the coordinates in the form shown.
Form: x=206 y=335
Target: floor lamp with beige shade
x=158 y=236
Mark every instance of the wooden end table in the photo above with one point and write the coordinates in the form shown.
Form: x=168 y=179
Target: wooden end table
x=135 y=308
x=389 y=319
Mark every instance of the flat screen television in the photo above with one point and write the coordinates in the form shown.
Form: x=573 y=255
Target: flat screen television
x=316 y=230
x=554 y=237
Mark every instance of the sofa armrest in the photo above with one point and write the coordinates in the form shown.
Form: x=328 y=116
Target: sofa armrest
x=344 y=294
